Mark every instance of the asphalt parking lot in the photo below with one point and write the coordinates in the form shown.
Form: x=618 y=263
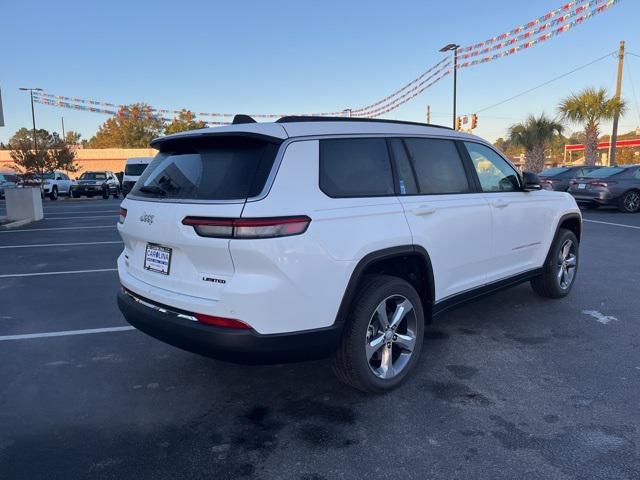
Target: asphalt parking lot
x=512 y=386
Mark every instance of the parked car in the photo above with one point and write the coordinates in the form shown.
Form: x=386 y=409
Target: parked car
x=7 y=180
x=91 y=184
x=303 y=238
x=558 y=178
x=55 y=184
x=617 y=185
x=132 y=171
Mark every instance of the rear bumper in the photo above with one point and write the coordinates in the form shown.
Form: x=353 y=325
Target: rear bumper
x=239 y=346
x=600 y=197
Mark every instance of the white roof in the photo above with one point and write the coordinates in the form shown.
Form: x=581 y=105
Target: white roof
x=318 y=128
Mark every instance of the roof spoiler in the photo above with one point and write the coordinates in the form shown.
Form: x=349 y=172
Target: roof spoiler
x=241 y=118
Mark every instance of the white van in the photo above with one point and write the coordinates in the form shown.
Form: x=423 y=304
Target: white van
x=132 y=171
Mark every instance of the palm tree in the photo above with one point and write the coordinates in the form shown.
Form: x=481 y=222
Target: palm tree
x=590 y=107
x=533 y=135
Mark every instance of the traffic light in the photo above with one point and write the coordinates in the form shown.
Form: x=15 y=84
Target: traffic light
x=474 y=121
x=458 y=123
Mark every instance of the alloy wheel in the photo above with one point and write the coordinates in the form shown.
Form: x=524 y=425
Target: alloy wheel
x=567 y=263
x=632 y=201
x=391 y=336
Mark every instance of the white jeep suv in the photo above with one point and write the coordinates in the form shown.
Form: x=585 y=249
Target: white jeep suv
x=312 y=237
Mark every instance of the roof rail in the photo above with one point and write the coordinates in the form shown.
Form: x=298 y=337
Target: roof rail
x=301 y=118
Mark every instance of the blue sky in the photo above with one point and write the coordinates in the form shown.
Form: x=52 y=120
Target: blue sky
x=293 y=56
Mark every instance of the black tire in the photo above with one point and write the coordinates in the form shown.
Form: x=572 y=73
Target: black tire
x=550 y=284
x=54 y=193
x=350 y=362
x=105 y=193
x=75 y=195
x=629 y=202
x=116 y=194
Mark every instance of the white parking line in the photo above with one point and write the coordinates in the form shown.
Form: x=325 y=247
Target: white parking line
x=88 y=216
x=57 y=228
x=65 y=333
x=59 y=244
x=68 y=272
x=66 y=212
x=611 y=223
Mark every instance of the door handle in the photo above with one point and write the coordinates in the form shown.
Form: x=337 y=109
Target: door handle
x=499 y=204
x=424 y=210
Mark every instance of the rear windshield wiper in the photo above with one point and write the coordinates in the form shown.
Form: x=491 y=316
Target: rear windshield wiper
x=152 y=189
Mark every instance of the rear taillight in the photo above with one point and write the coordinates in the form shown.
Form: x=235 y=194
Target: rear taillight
x=248 y=227
x=221 y=322
x=123 y=215
x=573 y=181
x=601 y=184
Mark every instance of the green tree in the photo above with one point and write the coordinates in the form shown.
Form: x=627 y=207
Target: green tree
x=508 y=148
x=184 y=121
x=52 y=153
x=134 y=126
x=590 y=107
x=72 y=137
x=534 y=135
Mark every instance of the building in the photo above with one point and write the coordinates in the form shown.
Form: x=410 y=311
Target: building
x=112 y=159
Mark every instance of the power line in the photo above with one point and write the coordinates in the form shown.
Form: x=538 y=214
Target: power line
x=546 y=83
x=633 y=91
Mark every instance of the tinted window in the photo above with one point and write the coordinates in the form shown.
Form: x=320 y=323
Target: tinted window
x=438 y=166
x=355 y=167
x=404 y=170
x=208 y=168
x=134 y=169
x=636 y=174
x=494 y=172
x=93 y=176
x=550 y=172
x=604 y=172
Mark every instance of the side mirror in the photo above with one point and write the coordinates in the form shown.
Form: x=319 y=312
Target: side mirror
x=530 y=182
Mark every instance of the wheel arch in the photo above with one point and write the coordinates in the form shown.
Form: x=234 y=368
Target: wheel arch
x=410 y=262
x=570 y=221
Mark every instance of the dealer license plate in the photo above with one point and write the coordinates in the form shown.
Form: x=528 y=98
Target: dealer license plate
x=157 y=258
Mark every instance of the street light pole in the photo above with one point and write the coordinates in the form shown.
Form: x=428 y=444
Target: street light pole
x=447 y=48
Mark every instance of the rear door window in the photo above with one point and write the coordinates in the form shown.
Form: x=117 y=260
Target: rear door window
x=355 y=167
x=208 y=168
x=438 y=166
x=134 y=169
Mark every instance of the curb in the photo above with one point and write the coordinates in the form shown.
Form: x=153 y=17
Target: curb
x=15 y=224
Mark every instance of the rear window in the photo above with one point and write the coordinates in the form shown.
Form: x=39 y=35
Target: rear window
x=355 y=167
x=550 y=172
x=208 y=168
x=93 y=176
x=135 y=169
x=604 y=172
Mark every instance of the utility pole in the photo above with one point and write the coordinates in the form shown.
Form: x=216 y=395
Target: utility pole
x=33 y=117
x=614 y=130
x=428 y=113
x=63 y=137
